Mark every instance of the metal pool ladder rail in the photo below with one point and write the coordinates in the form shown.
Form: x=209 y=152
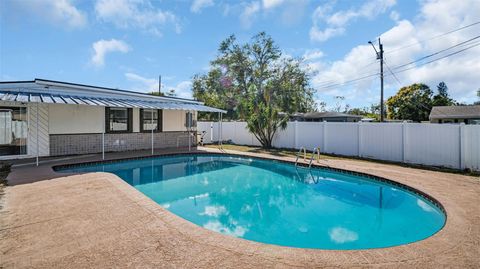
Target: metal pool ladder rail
x=315 y=150
x=300 y=152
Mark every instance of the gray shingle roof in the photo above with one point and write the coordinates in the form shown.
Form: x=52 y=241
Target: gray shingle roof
x=316 y=115
x=455 y=112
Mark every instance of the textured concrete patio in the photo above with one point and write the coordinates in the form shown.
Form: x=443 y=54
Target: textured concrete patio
x=97 y=220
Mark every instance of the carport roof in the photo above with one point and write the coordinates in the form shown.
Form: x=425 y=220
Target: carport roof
x=56 y=92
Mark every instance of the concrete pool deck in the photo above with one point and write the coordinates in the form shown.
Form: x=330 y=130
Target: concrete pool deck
x=98 y=220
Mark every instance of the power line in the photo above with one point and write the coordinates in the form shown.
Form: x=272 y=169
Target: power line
x=438 y=52
x=434 y=37
x=437 y=59
x=393 y=74
x=349 y=81
x=329 y=85
x=327 y=82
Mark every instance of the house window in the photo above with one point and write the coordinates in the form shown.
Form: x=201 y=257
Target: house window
x=118 y=119
x=150 y=119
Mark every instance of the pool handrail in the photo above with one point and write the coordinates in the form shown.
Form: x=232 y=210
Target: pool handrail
x=315 y=150
x=304 y=155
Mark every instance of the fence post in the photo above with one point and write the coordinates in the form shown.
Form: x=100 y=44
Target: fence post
x=359 y=134
x=295 y=134
x=462 y=145
x=404 y=141
x=324 y=143
x=211 y=132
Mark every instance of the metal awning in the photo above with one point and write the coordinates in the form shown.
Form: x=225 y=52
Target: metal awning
x=32 y=97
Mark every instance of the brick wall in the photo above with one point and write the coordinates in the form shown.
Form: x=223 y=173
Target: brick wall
x=70 y=144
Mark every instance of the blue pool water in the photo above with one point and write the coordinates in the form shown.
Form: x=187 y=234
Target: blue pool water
x=277 y=203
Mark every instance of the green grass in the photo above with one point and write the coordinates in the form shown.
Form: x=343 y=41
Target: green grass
x=293 y=153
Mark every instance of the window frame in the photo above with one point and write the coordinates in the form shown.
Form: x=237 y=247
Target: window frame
x=129 y=120
x=159 y=121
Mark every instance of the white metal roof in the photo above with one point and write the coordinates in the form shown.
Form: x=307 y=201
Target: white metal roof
x=54 y=92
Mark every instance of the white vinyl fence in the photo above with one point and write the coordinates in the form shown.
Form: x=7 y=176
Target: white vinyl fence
x=448 y=145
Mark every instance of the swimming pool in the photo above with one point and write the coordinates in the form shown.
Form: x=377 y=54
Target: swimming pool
x=277 y=203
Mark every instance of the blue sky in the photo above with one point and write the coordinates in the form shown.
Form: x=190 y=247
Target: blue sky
x=128 y=43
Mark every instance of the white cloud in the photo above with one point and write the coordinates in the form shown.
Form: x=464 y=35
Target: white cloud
x=338 y=21
x=287 y=12
x=183 y=89
x=394 y=15
x=248 y=14
x=403 y=43
x=198 y=5
x=310 y=55
x=142 y=84
x=138 y=14
x=102 y=47
x=58 y=12
x=267 y=4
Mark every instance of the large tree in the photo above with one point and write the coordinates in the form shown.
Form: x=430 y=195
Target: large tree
x=255 y=82
x=442 y=98
x=410 y=103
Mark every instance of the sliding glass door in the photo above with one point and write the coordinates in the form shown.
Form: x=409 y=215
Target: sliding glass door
x=13 y=131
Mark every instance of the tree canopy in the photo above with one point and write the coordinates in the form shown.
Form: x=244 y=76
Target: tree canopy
x=410 y=103
x=415 y=102
x=442 y=98
x=255 y=82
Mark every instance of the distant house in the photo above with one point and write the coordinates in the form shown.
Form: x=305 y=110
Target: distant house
x=326 y=116
x=455 y=114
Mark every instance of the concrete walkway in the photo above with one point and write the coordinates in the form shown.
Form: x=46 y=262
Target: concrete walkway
x=97 y=220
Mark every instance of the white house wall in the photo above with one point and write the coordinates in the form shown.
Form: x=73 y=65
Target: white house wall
x=174 y=120
x=76 y=119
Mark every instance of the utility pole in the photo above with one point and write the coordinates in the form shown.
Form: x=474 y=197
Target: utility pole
x=382 y=113
x=380 y=57
x=160 y=85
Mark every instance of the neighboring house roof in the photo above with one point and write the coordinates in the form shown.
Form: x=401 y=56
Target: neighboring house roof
x=319 y=115
x=455 y=112
x=57 y=92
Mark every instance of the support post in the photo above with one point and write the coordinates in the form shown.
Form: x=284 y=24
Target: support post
x=151 y=138
x=381 y=80
x=36 y=126
x=103 y=140
x=189 y=123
